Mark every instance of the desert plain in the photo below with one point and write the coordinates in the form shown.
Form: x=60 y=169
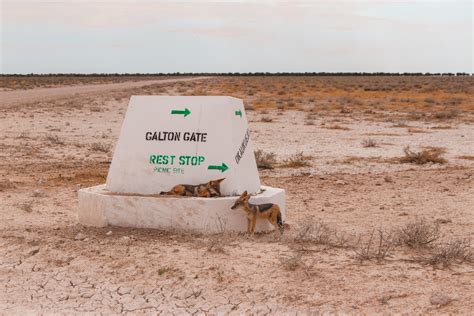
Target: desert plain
x=379 y=176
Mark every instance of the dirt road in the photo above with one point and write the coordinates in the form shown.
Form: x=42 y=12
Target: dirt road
x=43 y=94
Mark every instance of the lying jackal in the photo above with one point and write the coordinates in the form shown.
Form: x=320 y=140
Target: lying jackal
x=209 y=189
x=269 y=211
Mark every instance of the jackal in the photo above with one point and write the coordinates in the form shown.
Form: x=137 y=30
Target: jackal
x=269 y=211
x=209 y=189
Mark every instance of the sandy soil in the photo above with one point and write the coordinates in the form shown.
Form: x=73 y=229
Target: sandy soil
x=50 y=264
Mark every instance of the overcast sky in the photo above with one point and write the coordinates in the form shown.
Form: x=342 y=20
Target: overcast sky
x=235 y=36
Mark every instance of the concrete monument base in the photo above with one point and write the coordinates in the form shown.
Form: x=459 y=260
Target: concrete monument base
x=99 y=207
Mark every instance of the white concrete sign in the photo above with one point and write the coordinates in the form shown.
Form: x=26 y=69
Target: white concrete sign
x=170 y=140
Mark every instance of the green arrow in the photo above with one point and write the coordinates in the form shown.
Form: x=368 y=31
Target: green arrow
x=186 y=112
x=222 y=168
x=239 y=113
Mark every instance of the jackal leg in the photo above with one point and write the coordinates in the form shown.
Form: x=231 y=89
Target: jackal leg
x=254 y=222
x=249 y=225
x=273 y=219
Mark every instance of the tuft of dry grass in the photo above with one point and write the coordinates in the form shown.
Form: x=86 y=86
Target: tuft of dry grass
x=26 y=206
x=96 y=108
x=376 y=245
x=319 y=233
x=218 y=242
x=266 y=119
x=454 y=251
x=446 y=115
x=466 y=157
x=413 y=130
x=400 y=124
x=419 y=234
x=265 y=160
x=297 y=160
x=429 y=155
x=100 y=147
x=54 y=139
x=338 y=127
x=294 y=262
x=369 y=142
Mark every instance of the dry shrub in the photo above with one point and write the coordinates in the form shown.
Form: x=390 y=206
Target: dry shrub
x=314 y=232
x=26 y=206
x=430 y=100
x=467 y=157
x=217 y=243
x=413 y=130
x=297 y=161
x=400 y=124
x=454 y=251
x=96 y=108
x=429 y=155
x=369 y=142
x=338 y=127
x=319 y=233
x=419 y=234
x=376 y=245
x=266 y=119
x=294 y=262
x=100 y=147
x=54 y=139
x=445 y=115
x=248 y=106
x=265 y=160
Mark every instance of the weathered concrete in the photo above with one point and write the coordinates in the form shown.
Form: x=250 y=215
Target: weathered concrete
x=148 y=161
x=99 y=207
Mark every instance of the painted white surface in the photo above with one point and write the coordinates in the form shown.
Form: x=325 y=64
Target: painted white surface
x=98 y=207
x=131 y=170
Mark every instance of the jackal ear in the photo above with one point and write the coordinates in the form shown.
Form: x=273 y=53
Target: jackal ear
x=219 y=180
x=244 y=194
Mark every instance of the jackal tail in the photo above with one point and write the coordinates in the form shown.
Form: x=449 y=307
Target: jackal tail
x=280 y=223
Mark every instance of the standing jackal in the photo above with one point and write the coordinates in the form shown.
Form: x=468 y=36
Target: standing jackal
x=209 y=189
x=269 y=211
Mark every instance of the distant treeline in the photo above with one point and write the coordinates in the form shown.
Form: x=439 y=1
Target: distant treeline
x=322 y=74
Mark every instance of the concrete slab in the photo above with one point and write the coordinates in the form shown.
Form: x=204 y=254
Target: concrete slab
x=99 y=207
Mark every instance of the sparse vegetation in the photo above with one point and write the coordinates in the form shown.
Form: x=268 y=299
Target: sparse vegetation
x=338 y=127
x=294 y=262
x=319 y=233
x=419 y=234
x=369 y=142
x=266 y=119
x=54 y=139
x=26 y=206
x=429 y=155
x=453 y=251
x=376 y=245
x=445 y=115
x=104 y=148
x=297 y=161
x=265 y=160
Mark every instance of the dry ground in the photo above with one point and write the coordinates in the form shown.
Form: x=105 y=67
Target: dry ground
x=51 y=147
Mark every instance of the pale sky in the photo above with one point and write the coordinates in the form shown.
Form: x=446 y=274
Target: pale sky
x=84 y=36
